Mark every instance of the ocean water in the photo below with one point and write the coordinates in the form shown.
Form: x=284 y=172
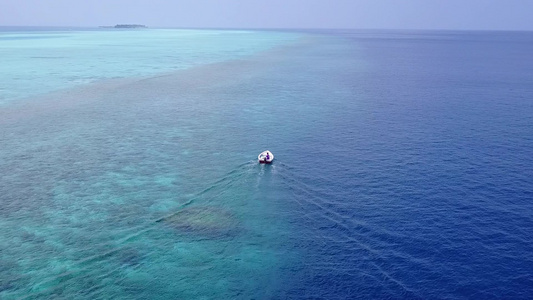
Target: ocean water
x=40 y=60
x=403 y=164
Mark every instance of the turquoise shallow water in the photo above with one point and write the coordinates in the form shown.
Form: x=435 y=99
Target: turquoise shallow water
x=127 y=189
x=402 y=168
x=39 y=60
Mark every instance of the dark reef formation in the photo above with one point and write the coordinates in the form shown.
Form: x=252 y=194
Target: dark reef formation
x=208 y=221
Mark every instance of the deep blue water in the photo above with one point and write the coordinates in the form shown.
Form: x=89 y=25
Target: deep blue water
x=417 y=178
x=403 y=170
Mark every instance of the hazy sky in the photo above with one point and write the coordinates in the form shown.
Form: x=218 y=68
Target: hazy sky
x=402 y=14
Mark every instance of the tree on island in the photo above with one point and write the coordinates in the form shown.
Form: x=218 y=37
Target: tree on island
x=125 y=26
x=129 y=26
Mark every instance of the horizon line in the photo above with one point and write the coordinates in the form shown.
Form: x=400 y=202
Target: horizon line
x=259 y=28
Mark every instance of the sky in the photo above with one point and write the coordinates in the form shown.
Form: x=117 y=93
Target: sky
x=361 y=14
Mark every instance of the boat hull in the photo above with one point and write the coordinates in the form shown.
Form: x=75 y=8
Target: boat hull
x=262 y=157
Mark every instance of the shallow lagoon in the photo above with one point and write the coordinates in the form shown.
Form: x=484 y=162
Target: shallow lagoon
x=401 y=167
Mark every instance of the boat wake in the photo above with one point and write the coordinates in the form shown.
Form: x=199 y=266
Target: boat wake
x=200 y=218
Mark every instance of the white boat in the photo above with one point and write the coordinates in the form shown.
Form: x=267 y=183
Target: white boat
x=265 y=157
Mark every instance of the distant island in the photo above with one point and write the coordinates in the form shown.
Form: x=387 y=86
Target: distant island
x=125 y=26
